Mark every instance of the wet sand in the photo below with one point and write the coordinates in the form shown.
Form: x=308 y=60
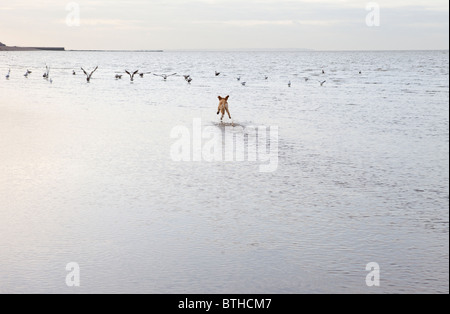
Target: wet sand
x=87 y=175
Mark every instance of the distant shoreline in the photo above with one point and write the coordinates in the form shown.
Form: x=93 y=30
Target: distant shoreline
x=7 y=48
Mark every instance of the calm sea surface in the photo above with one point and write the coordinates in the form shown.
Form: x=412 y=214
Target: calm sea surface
x=87 y=176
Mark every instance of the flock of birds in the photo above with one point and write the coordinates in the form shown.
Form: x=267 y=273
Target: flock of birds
x=89 y=75
x=187 y=78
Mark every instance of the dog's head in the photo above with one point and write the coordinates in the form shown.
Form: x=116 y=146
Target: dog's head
x=223 y=101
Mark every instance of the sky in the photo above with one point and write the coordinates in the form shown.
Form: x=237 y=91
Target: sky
x=226 y=24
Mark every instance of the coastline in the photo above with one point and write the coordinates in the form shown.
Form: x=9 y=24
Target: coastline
x=6 y=48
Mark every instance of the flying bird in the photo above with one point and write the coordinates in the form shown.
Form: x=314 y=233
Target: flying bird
x=118 y=77
x=74 y=73
x=165 y=76
x=27 y=73
x=322 y=83
x=89 y=76
x=244 y=83
x=217 y=73
x=239 y=78
x=132 y=75
x=266 y=78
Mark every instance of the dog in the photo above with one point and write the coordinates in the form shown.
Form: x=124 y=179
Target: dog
x=223 y=106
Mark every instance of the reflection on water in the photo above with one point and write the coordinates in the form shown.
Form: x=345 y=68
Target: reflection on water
x=86 y=174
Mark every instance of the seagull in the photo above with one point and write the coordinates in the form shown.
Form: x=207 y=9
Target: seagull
x=74 y=73
x=142 y=74
x=217 y=73
x=47 y=73
x=27 y=73
x=239 y=79
x=165 y=76
x=187 y=78
x=360 y=72
x=244 y=83
x=89 y=76
x=289 y=84
x=266 y=78
x=322 y=83
x=118 y=77
x=9 y=74
x=323 y=71
x=132 y=75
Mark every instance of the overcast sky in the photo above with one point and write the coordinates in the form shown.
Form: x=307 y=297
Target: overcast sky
x=225 y=24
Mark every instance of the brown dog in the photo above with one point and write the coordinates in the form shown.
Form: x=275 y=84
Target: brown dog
x=223 y=106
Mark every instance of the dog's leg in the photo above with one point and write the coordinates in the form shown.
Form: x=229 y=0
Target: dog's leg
x=218 y=110
x=229 y=115
x=222 y=110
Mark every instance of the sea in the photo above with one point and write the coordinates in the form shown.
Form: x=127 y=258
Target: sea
x=336 y=184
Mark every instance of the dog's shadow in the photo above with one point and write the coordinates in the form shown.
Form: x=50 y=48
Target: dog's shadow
x=223 y=125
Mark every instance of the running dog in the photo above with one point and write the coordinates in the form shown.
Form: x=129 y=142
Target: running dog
x=223 y=106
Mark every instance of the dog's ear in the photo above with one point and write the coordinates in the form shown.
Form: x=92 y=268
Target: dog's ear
x=220 y=98
x=226 y=98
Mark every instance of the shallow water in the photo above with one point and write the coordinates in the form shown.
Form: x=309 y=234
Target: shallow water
x=87 y=176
